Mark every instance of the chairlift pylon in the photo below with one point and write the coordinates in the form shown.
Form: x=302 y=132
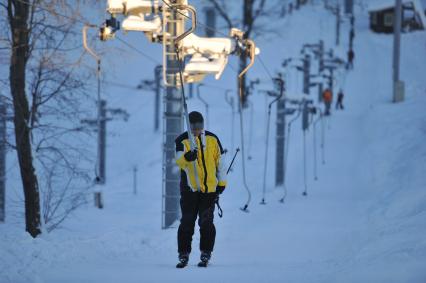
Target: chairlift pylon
x=98 y=179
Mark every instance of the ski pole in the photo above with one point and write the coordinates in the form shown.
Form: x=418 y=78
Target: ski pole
x=232 y=162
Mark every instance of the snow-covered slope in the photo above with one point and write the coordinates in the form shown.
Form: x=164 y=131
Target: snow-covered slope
x=363 y=220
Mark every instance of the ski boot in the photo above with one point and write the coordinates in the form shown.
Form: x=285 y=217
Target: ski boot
x=204 y=259
x=183 y=260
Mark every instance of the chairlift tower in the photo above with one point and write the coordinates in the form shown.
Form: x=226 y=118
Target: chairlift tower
x=173 y=25
x=280 y=143
x=398 y=85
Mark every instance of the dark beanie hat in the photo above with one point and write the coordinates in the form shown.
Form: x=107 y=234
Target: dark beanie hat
x=195 y=117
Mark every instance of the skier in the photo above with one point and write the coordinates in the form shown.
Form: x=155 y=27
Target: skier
x=203 y=178
x=339 y=102
x=327 y=97
x=351 y=57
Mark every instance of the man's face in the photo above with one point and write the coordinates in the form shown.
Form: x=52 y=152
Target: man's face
x=197 y=128
x=196 y=132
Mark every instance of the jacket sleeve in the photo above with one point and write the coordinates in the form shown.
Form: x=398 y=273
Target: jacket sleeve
x=180 y=152
x=220 y=165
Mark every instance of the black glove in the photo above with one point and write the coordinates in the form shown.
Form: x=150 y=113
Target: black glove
x=220 y=189
x=191 y=155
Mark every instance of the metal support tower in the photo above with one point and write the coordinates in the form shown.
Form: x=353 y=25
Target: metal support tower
x=100 y=126
x=306 y=73
x=320 y=91
x=173 y=25
x=352 y=32
x=102 y=142
x=157 y=88
x=280 y=141
x=338 y=21
x=321 y=56
x=398 y=86
x=349 y=6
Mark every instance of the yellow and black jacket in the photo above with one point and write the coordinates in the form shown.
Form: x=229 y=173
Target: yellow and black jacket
x=208 y=170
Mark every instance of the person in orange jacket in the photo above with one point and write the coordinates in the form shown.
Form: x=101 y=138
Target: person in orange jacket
x=327 y=97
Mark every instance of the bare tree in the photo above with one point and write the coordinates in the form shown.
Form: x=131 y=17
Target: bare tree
x=48 y=91
x=252 y=11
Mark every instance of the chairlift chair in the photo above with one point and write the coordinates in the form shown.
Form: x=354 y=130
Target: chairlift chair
x=141 y=15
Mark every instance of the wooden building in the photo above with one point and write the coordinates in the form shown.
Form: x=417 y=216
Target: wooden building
x=382 y=16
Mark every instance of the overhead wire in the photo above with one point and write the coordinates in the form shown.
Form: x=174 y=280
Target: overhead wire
x=264 y=67
x=120 y=85
x=217 y=87
x=139 y=51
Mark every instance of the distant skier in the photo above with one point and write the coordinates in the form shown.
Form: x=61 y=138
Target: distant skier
x=327 y=98
x=339 y=102
x=198 y=189
x=351 y=57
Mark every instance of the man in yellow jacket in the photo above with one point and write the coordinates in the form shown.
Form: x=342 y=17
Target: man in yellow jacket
x=203 y=177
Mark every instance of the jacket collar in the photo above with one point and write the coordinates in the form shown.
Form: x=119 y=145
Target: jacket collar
x=203 y=137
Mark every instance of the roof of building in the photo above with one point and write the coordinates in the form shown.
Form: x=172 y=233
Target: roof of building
x=379 y=5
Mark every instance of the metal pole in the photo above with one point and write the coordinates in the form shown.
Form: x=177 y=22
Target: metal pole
x=280 y=143
x=172 y=118
x=320 y=91
x=135 y=180
x=352 y=33
x=338 y=24
x=191 y=90
x=2 y=160
x=397 y=85
x=266 y=155
x=349 y=6
x=322 y=140
x=157 y=88
x=315 y=144
x=321 y=57
x=102 y=142
x=278 y=98
x=306 y=73
x=305 y=192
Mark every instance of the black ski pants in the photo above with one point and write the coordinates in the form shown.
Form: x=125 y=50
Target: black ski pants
x=193 y=204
